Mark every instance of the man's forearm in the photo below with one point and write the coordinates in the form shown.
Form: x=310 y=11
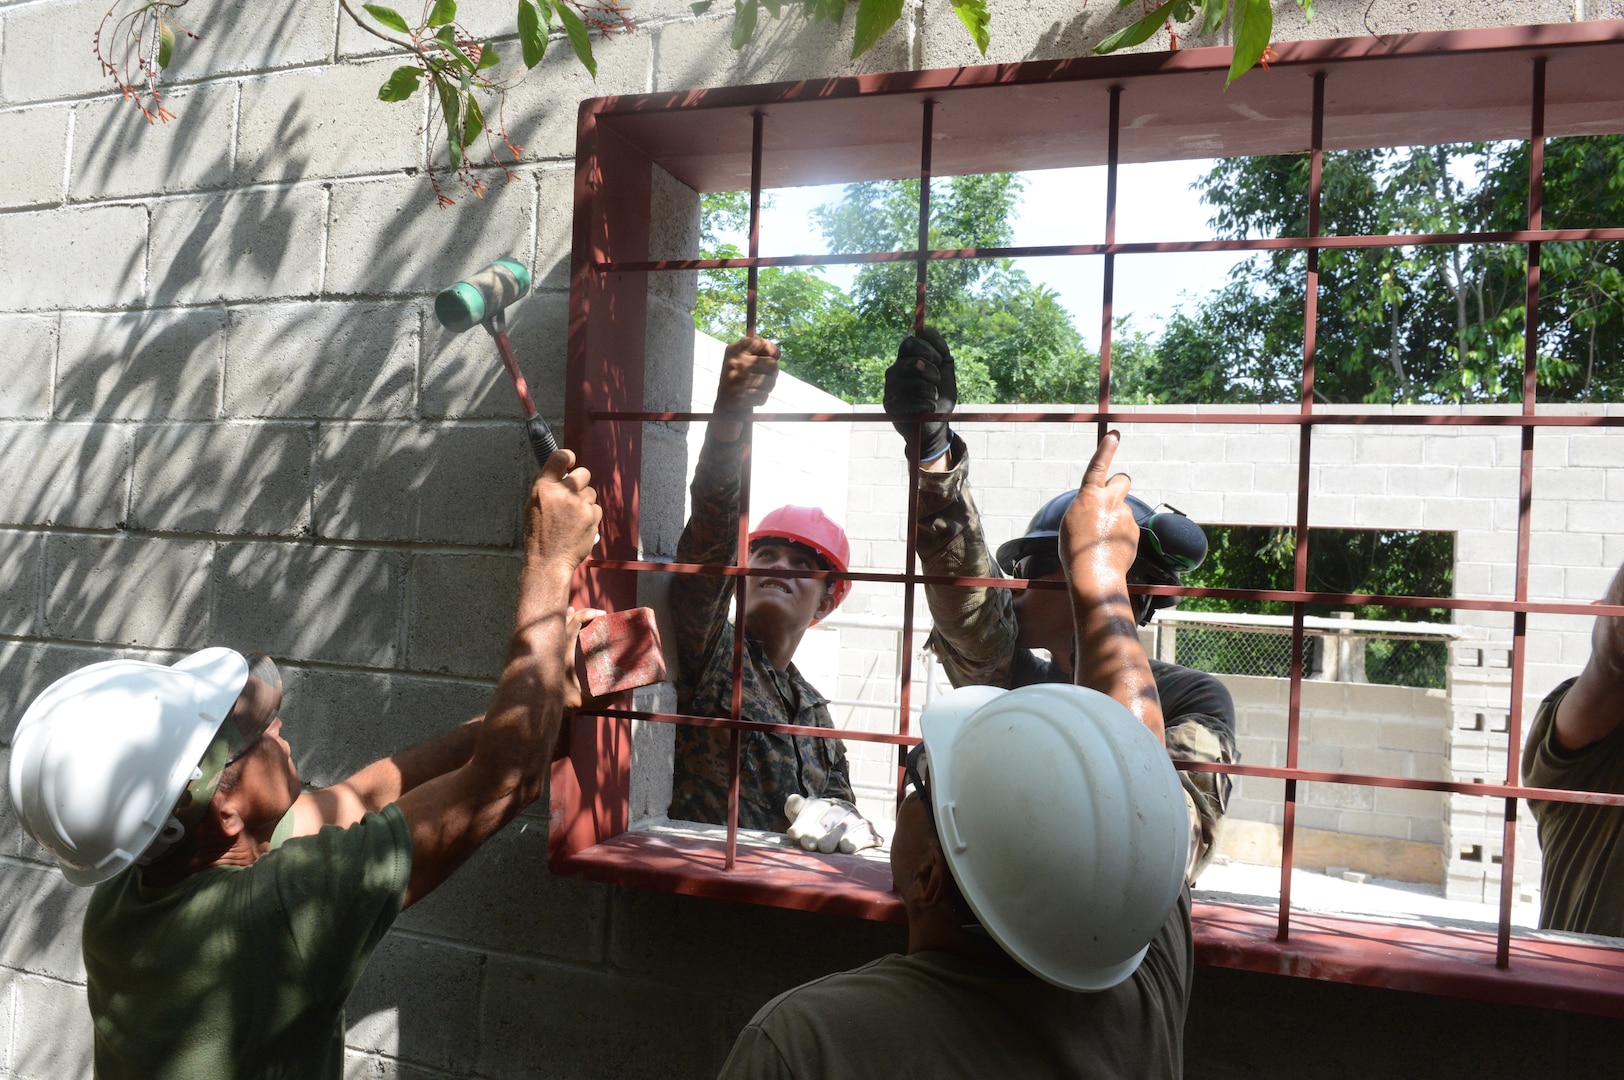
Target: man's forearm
x=387 y=779
x=1110 y=658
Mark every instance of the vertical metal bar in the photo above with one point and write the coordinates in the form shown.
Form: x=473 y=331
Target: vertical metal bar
x=910 y=558
x=1108 y=287
x=742 y=553
x=1525 y=506
x=1305 y=439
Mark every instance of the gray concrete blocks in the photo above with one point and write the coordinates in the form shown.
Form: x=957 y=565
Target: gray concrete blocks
x=97 y=257
x=73 y=475
x=353 y=361
x=241 y=245
x=396 y=1011
x=34 y=177
x=22 y=566
x=542 y=111
x=52 y=1037
x=327 y=121
x=223 y=478
x=696 y=52
x=390 y=236
x=433 y=483
x=555 y=226
x=301 y=601
x=146 y=365
x=128 y=590
x=461 y=613
x=503 y=900
x=266 y=35
x=25 y=393
x=117 y=153
x=1044 y=30
x=48 y=943
x=46 y=52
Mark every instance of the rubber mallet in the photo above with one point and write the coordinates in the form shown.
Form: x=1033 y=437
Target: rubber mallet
x=480 y=301
x=621 y=650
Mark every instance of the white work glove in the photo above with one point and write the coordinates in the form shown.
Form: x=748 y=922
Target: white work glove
x=827 y=825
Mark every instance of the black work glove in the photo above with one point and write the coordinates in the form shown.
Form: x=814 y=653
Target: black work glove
x=919 y=383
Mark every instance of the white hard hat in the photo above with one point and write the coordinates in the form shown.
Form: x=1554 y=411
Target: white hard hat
x=1063 y=822
x=103 y=755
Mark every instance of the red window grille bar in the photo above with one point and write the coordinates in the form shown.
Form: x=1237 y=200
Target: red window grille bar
x=849 y=129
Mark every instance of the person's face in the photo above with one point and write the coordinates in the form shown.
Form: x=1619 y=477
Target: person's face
x=784 y=602
x=1043 y=617
x=269 y=781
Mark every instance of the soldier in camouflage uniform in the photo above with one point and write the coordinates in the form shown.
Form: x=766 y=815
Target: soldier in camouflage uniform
x=773 y=768
x=985 y=636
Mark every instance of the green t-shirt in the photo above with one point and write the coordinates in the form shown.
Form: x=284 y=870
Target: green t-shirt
x=1581 y=846
x=241 y=972
x=939 y=1016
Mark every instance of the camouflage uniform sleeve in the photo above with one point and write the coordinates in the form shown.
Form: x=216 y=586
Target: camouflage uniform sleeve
x=699 y=602
x=974 y=635
x=1189 y=739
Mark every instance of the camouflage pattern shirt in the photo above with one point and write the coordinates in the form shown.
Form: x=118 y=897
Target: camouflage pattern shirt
x=772 y=767
x=975 y=634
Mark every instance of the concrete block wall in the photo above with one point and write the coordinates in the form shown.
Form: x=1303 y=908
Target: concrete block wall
x=227 y=418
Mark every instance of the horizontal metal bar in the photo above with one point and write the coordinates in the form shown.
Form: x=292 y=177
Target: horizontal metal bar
x=1160 y=247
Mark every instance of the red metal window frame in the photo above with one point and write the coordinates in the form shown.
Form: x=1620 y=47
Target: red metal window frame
x=1506 y=83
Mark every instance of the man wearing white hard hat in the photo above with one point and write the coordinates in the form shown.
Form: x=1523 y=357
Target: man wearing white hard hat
x=1042 y=858
x=234 y=911
x=795 y=785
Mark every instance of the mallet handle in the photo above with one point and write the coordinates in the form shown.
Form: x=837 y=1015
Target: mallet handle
x=542 y=443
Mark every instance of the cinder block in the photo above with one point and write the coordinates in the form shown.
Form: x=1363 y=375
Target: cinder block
x=463 y=376
x=418 y=1000
x=290 y=129
x=695 y=53
x=53 y=1039
x=240 y=245
x=1459 y=448
x=22 y=562
x=461 y=613
x=44 y=913
x=1428 y=481
x=268 y=35
x=442 y=483
x=1351 y=480
x=1337 y=796
x=668 y=339
x=338 y=722
x=1595 y=449
x=116 y=152
x=1422 y=738
x=538 y=1012
x=1047 y=30
x=46 y=54
x=1572 y=483
x=63 y=474
x=96 y=257
x=25 y=393
x=1565 y=549
x=1459 y=514
x=1408 y=803
x=673 y=231
x=504 y=900
x=349 y=361
x=150 y=365
x=1387 y=512
x=1335 y=21
x=33 y=178
x=129 y=591
x=368 y=251
x=223 y=478
x=308 y=602
x=26 y=669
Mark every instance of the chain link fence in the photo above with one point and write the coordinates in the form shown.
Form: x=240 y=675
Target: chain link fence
x=1360 y=652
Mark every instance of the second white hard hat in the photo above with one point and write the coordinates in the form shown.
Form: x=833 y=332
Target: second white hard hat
x=1063 y=822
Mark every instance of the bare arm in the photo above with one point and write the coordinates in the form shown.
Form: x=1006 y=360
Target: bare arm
x=452 y=814
x=1098 y=541
x=1591 y=710
x=385 y=780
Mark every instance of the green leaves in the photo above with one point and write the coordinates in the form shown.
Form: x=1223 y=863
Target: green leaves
x=976 y=19
x=1251 y=24
x=874 y=17
x=488 y=57
x=701 y=7
x=1212 y=14
x=473 y=121
x=744 y=22
x=402 y=84
x=532 y=37
x=445 y=11
x=451 y=108
x=166 y=43
x=1135 y=33
x=388 y=17
x=578 y=36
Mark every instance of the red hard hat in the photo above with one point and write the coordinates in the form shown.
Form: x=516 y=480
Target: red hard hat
x=810 y=526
